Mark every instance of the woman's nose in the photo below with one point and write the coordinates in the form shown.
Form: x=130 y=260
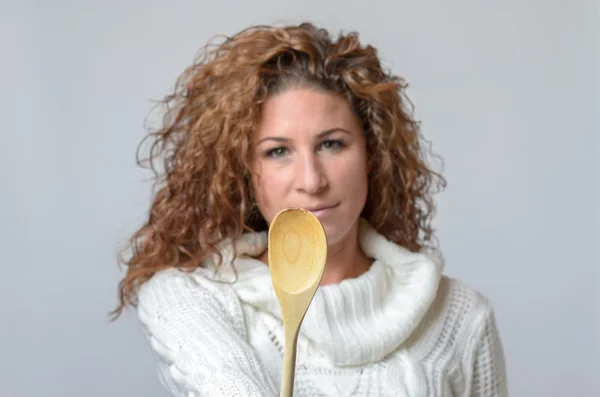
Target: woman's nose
x=311 y=176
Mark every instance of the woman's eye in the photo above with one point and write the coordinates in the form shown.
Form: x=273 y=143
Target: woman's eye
x=332 y=144
x=276 y=152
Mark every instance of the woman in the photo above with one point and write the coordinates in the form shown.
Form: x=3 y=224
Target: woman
x=288 y=117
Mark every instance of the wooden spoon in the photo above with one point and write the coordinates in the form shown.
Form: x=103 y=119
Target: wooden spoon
x=297 y=255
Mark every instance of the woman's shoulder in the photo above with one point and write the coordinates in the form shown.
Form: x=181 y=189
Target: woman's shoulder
x=463 y=307
x=463 y=298
x=459 y=315
x=179 y=283
x=176 y=295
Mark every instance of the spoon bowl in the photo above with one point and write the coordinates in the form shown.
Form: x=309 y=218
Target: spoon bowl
x=297 y=255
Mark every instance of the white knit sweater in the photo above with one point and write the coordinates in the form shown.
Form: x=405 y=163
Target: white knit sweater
x=400 y=329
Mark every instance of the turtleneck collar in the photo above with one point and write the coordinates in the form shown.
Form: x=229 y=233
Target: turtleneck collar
x=358 y=320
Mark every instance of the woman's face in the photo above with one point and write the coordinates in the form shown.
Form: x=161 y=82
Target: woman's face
x=310 y=152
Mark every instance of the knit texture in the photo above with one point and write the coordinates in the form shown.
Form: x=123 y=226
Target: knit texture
x=400 y=329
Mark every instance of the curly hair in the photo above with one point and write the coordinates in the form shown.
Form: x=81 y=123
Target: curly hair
x=203 y=193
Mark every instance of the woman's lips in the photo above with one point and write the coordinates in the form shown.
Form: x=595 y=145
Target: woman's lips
x=321 y=212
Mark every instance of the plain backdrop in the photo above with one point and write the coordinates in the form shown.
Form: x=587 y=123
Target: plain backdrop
x=507 y=91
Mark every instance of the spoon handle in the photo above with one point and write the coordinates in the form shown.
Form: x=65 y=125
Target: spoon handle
x=289 y=362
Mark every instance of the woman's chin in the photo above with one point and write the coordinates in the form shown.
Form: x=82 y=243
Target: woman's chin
x=337 y=234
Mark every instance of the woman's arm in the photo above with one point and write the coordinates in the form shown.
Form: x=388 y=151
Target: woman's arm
x=199 y=337
x=488 y=362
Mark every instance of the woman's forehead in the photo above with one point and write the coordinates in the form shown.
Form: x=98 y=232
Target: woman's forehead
x=304 y=112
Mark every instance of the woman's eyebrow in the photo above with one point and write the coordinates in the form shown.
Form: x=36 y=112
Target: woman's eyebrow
x=320 y=135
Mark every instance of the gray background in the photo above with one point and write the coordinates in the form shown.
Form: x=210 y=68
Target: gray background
x=507 y=91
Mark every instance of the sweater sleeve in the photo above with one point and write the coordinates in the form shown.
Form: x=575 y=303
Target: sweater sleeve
x=489 y=369
x=199 y=338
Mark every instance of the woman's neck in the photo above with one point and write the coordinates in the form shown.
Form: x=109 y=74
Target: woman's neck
x=345 y=260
